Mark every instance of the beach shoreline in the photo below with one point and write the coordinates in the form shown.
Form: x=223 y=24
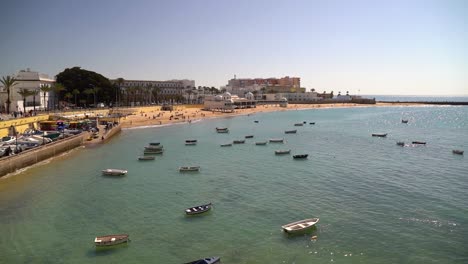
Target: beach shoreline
x=150 y=117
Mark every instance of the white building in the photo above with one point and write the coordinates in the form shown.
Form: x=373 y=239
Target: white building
x=33 y=81
x=219 y=102
x=172 y=87
x=301 y=97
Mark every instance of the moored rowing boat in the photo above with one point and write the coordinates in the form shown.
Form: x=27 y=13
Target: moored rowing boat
x=300 y=225
x=111 y=240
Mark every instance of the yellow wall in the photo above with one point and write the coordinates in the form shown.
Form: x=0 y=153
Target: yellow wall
x=21 y=124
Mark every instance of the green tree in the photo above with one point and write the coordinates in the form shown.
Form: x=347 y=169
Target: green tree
x=24 y=93
x=68 y=96
x=57 y=88
x=137 y=94
x=189 y=92
x=88 y=92
x=95 y=92
x=148 y=89
x=81 y=79
x=8 y=82
x=45 y=89
x=155 y=92
x=35 y=93
x=75 y=93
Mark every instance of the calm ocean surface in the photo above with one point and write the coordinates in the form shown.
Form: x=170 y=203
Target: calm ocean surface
x=377 y=202
x=417 y=98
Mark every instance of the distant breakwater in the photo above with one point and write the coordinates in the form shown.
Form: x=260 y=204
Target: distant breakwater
x=426 y=102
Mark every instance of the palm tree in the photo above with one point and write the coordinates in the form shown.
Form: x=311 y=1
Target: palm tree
x=57 y=88
x=24 y=93
x=34 y=93
x=75 y=93
x=137 y=93
x=8 y=82
x=155 y=92
x=189 y=92
x=148 y=89
x=95 y=91
x=130 y=94
x=45 y=89
x=88 y=92
x=255 y=92
x=68 y=96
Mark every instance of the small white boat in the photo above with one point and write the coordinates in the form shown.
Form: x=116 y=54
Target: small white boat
x=190 y=143
x=238 y=141
x=114 y=172
x=151 y=147
x=300 y=225
x=226 y=145
x=189 y=168
x=261 y=143
x=299 y=124
x=290 y=131
x=153 y=151
x=281 y=152
x=458 y=152
x=222 y=130
x=277 y=140
x=198 y=209
x=111 y=240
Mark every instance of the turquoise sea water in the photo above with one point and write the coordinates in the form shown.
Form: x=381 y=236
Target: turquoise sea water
x=417 y=98
x=377 y=202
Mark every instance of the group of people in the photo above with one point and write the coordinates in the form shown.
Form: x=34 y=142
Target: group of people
x=9 y=151
x=17 y=114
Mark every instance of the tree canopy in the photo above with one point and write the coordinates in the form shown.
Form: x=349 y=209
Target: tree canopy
x=79 y=79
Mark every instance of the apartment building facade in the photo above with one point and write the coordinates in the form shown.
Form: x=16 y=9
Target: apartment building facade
x=284 y=84
x=32 y=81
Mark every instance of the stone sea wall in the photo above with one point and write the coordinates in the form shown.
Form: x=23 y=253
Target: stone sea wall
x=32 y=156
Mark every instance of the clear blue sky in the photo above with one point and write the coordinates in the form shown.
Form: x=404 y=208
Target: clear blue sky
x=366 y=47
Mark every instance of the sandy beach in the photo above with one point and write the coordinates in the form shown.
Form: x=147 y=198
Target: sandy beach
x=153 y=116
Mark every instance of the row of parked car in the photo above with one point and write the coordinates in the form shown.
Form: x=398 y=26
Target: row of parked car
x=11 y=145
